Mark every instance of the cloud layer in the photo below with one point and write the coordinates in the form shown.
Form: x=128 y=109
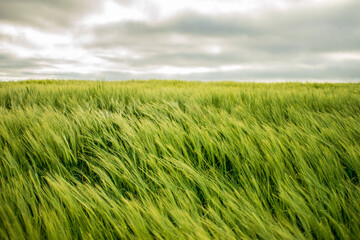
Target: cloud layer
x=228 y=40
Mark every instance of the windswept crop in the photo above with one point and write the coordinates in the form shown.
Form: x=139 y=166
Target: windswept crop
x=179 y=160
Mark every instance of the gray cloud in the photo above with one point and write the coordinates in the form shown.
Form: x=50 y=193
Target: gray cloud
x=287 y=44
x=12 y=66
x=298 y=29
x=299 y=37
x=8 y=61
x=48 y=14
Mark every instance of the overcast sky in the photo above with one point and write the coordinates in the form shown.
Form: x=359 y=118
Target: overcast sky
x=241 y=40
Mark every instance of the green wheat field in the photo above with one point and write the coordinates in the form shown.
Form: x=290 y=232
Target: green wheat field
x=179 y=160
